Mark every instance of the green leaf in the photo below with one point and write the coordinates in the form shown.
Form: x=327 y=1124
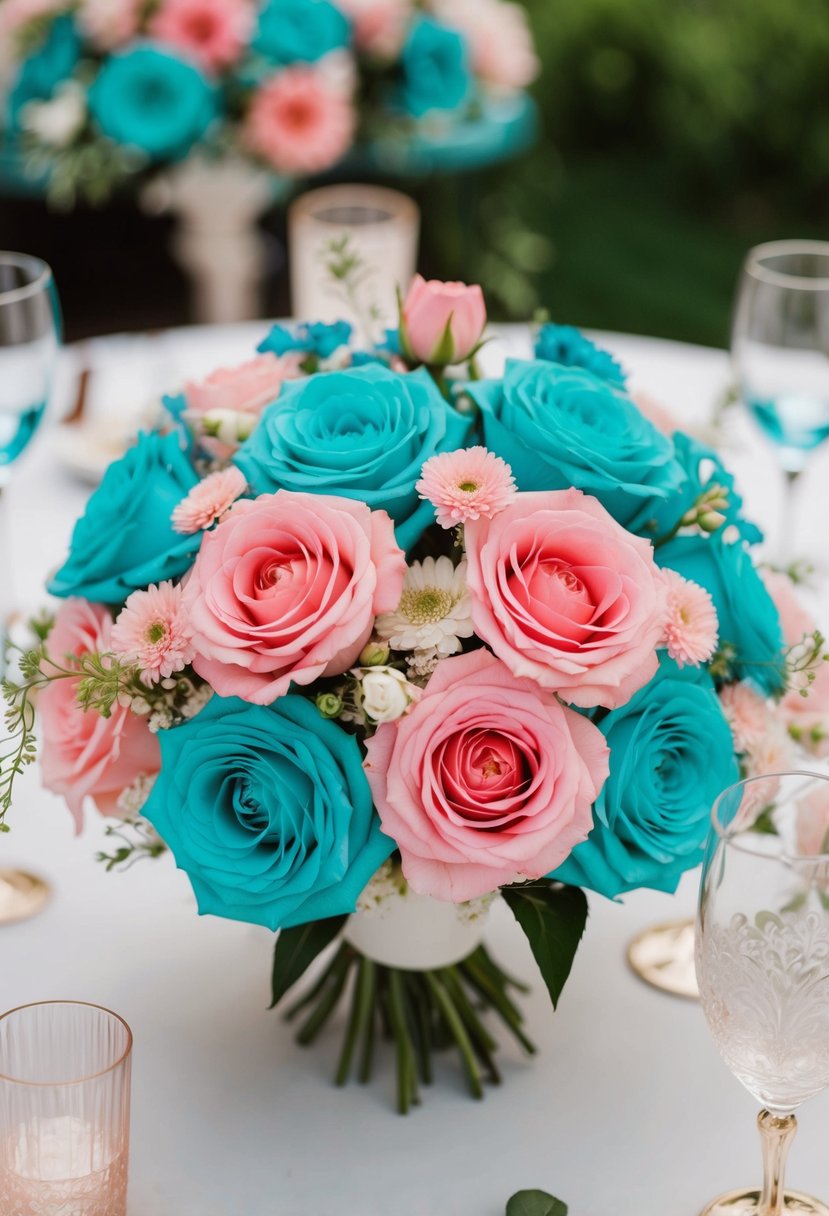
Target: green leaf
x=553 y=917
x=535 y=1203
x=297 y=948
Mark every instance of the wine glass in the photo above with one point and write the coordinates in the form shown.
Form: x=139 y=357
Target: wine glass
x=29 y=338
x=762 y=956
x=780 y=352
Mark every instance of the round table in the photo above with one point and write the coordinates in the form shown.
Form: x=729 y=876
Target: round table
x=626 y=1111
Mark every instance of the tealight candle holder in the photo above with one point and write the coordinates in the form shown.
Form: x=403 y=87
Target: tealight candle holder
x=64 y=1110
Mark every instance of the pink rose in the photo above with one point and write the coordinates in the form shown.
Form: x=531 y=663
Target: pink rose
x=228 y=402
x=300 y=122
x=565 y=595
x=83 y=753
x=807 y=717
x=487 y=780
x=286 y=588
x=442 y=323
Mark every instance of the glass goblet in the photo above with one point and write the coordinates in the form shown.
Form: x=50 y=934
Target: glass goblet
x=780 y=352
x=762 y=955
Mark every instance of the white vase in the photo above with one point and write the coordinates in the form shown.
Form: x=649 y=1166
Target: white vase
x=397 y=928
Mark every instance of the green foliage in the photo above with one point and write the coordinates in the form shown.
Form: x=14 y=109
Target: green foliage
x=297 y=948
x=535 y=1203
x=553 y=917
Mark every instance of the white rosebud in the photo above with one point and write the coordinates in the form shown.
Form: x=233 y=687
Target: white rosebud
x=228 y=426
x=384 y=694
x=58 y=121
x=337 y=360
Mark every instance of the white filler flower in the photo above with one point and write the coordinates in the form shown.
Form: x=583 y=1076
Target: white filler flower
x=434 y=612
x=384 y=694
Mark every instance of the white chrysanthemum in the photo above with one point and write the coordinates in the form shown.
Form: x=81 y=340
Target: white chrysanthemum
x=434 y=612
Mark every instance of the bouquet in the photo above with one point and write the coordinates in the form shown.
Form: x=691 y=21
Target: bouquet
x=102 y=91
x=368 y=641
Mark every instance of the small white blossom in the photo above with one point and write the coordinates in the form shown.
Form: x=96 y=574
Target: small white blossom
x=58 y=121
x=131 y=801
x=230 y=427
x=337 y=360
x=434 y=612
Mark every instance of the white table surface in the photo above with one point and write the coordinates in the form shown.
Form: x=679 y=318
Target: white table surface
x=627 y=1110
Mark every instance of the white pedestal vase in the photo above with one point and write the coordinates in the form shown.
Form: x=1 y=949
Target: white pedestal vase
x=415 y=971
x=218 y=205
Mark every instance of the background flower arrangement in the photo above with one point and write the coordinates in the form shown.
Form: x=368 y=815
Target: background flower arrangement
x=363 y=628
x=99 y=91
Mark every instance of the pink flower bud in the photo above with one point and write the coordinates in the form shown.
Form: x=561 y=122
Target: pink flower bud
x=441 y=323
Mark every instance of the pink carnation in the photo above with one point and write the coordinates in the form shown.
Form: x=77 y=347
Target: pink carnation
x=86 y=755
x=747 y=713
x=213 y=32
x=692 y=627
x=487 y=780
x=566 y=596
x=466 y=484
x=153 y=632
x=286 y=588
x=207 y=502
x=500 y=43
x=300 y=122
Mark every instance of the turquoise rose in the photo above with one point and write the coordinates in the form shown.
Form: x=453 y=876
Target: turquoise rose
x=568 y=345
x=268 y=812
x=436 y=73
x=150 y=99
x=124 y=539
x=748 y=619
x=563 y=426
x=363 y=433
x=702 y=467
x=50 y=65
x=300 y=31
x=671 y=754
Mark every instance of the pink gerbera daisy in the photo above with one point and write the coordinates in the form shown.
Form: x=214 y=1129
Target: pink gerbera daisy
x=209 y=500
x=214 y=32
x=299 y=122
x=692 y=627
x=152 y=631
x=466 y=485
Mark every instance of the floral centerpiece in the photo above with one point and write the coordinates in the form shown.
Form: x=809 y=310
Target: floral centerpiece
x=101 y=92
x=367 y=642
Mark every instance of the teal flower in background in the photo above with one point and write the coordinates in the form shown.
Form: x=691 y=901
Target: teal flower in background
x=149 y=99
x=49 y=66
x=436 y=72
x=124 y=540
x=300 y=31
x=748 y=619
x=315 y=338
x=671 y=754
x=702 y=467
x=567 y=345
x=268 y=812
x=563 y=426
x=363 y=433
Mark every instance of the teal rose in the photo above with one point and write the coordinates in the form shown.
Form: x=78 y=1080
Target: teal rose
x=749 y=623
x=300 y=31
x=703 y=468
x=671 y=754
x=268 y=812
x=50 y=65
x=124 y=540
x=563 y=426
x=150 y=99
x=436 y=71
x=363 y=433
x=568 y=345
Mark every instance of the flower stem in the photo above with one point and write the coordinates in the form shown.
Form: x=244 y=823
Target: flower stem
x=458 y=1031
x=336 y=980
x=362 y=1009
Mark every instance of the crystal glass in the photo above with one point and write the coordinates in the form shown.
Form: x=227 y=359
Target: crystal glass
x=780 y=352
x=379 y=227
x=762 y=955
x=64 y=1110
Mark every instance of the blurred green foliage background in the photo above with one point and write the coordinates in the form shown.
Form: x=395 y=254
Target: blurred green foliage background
x=676 y=134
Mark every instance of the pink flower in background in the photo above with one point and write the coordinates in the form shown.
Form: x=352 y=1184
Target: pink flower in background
x=109 y=23
x=501 y=45
x=487 y=780
x=747 y=713
x=286 y=588
x=466 y=484
x=566 y=596
x=243 y=391
x=773 y=752
x=807 y=716
x=213 y=32
x=812 y=824
x=85 y=755
x=795 y=621
x=656 y=413
x=692 y=627
x=432 y=306
x=299 y=122
x=379 y=26
x=207 y=502
x=153 y=632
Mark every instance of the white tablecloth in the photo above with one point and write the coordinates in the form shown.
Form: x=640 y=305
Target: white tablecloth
x=627 y=1110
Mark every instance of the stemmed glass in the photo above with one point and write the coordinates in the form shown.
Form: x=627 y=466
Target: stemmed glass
x=29 y=338
x=780 y=352
x=762 y=955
